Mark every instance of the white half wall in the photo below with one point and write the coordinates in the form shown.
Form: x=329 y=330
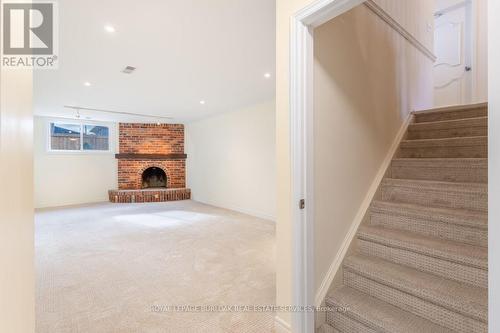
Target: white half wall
x=65 y=178
x=232 y=160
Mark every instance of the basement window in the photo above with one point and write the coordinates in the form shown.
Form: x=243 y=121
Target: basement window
x=78 y=137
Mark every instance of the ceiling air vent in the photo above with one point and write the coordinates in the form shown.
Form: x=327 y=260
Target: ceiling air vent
x=128 y=70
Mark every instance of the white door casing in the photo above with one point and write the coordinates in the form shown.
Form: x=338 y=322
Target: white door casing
x=301 y=141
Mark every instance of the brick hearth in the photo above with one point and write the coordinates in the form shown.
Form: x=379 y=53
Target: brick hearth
x=144 y=146
x=149 y=195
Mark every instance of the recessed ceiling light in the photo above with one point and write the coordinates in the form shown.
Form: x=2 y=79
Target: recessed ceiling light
x=87 y=84
x=202 y=102
x=109 y=28
x=129 y=70
x=267 y=75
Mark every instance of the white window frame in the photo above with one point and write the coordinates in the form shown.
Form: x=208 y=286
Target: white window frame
x=111 y=134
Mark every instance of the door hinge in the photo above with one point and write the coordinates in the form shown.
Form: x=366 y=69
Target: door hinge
x=302 y=203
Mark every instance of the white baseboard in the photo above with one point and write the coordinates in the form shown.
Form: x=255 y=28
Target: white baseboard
x=246 y=211
x=281 y=326
x=365 y=205
x=89 y=203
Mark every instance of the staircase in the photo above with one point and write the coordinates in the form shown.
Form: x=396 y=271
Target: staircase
x=420 y=263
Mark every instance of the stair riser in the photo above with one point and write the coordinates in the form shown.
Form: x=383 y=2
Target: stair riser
x=476 y=151
x=417 y=134
x=453 y=115
x=447 y=269
x=435 y=198
x=449 y=231
x=437 y=314
x=447 y=174
x=345 y=324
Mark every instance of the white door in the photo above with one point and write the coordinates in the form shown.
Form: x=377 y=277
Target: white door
x=453 y=48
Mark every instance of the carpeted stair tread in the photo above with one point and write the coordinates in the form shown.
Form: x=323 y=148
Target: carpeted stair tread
x=470 y=255
x=441 y=169
x=449 y=128
x=463 y=217
x=448 y=142
x=465 y=122
x=446 y=268
x=437 y=314
x=445 y=162
x=450 y=113
x=464 y=147
x=459 y=225
x=432 y=184
x=379 y=316
x=465 y=299
x=471 y=196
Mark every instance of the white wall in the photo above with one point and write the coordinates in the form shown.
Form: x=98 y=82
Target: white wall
x=64 y=178
x=481 y=37
x=367 y=80
x=17 y=277
x=232 y=160
x=416 y=16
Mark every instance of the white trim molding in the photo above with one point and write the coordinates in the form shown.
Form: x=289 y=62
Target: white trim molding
x=301 y=107
x=363 y=209
x=322 y=11
x=281 y=326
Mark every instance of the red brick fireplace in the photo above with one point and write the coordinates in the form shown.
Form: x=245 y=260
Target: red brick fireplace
x=151 y=164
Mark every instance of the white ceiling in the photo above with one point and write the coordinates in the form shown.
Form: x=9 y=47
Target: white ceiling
x=185 y=51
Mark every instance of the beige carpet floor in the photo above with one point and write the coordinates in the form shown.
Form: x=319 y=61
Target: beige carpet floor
x=115 y=268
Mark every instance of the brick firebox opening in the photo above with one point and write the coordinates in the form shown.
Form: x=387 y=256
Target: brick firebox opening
x=156 y=151
x=154 y=177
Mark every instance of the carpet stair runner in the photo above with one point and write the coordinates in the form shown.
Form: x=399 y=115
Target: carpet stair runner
x=421 y=261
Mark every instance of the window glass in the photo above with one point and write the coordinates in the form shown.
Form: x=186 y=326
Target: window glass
x=65 y=136
x=95 y=137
